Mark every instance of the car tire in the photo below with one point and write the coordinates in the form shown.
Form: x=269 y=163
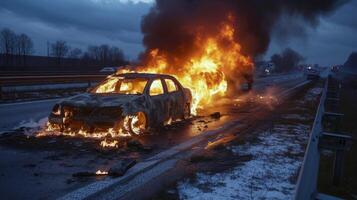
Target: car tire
x=137 y=124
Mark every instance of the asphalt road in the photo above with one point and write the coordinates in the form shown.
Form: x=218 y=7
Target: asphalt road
x=13 y=115
x=42 y=167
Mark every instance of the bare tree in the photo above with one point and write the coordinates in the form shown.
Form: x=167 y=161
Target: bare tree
x=75 y=53
x=94 y=52
x=104 y=53
x=24 y=46
x=59 y=50
x=287 y=60
x=116 y=55
x=8 y=40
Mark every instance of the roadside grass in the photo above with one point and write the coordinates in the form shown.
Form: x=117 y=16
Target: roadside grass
x=348 y=187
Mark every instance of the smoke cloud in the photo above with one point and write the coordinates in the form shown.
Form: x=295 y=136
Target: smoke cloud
x=172 y=25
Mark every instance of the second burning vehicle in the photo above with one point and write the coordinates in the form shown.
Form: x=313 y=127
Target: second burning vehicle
x=131 y=102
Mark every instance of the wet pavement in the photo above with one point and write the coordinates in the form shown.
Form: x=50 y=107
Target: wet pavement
x=43 y=168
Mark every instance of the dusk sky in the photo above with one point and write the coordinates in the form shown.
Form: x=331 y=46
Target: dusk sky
x=117 y=22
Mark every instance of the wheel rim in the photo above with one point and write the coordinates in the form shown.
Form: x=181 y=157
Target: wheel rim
x=138 y=123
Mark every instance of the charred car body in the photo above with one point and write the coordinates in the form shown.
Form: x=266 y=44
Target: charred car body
x=131 y=102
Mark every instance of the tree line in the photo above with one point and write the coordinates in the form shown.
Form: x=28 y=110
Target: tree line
x=15 y=46
x=12 y=44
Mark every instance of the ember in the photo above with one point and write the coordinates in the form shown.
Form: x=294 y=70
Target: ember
x=109 y=144
x=99 y=172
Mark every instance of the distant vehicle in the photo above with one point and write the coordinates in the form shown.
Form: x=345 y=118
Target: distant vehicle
x=335 y=69
x=131 y=102
x=108 y=70
x=312 y=73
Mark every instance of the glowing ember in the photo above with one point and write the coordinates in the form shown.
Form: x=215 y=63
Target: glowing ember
x=99 y=172
x=52 y=130
x=109 y=144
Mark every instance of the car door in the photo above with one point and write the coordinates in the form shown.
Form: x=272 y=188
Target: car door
x=158 y=98
x=175 y=98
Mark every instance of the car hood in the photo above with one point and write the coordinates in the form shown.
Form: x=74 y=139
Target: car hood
x=99 y=100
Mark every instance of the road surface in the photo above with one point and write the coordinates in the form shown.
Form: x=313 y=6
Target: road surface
x=13 y=115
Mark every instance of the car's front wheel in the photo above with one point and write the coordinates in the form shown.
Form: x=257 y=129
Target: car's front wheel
x=137 y=124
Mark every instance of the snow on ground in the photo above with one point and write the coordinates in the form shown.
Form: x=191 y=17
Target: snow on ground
x=271 y=173
x=276 y=159
x=29 y=127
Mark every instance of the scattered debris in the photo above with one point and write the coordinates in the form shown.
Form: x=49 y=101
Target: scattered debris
x=202 y=157
x=121 y=167
x=216 y=115
x=83 y=174
x=135 y=144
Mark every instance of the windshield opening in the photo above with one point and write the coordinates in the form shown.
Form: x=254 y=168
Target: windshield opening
x=120 y=85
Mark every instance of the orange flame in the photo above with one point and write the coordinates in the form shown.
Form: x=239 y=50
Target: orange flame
x=99 y=172
x=109 y=144
x=206 y=74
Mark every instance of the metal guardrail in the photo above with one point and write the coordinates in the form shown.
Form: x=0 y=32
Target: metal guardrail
x=27 y=83
x=18 y=80
x=307 y=180
x=325 y=134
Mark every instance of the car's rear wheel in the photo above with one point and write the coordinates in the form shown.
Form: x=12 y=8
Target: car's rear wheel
x=137 y=124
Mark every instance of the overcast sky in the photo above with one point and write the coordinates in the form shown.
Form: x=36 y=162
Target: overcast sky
x=117 y=22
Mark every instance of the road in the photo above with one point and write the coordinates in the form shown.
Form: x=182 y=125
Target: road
x=14 y=115
x=42 y=167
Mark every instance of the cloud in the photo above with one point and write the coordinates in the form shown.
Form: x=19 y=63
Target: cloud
x=117 y=22
x=329 y=43
x=80 y=22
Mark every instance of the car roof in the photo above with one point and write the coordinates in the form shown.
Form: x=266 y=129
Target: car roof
x=143 y=75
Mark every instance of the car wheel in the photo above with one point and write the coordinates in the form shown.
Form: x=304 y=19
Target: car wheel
x=187 y=111
x=137 y=124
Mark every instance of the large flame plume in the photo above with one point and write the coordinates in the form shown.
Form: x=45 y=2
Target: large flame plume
x=207 y=72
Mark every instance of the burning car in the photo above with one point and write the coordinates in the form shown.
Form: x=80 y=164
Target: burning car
x=130 y=102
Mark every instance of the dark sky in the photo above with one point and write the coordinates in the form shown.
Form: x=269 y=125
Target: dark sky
x=117 y=22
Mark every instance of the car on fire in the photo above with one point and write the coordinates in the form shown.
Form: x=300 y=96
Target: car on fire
x=130 y=102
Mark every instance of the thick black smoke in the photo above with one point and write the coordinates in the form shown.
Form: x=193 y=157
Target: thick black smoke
x=172 y=25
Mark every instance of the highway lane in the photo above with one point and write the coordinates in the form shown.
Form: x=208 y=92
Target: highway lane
x=13 y=115
x=57 y=159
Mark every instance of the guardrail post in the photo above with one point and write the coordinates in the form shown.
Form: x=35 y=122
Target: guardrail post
x=0 y=92
x=338 y=167
x=339 y=143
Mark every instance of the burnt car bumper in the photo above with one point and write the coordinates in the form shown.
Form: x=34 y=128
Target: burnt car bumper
x=74 y=118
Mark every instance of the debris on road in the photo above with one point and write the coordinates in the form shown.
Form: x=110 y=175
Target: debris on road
x=216 y=115
x=117 y=169
x=121 y=167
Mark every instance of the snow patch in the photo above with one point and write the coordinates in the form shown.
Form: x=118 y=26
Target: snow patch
x=269 y=175
x=30 y=126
